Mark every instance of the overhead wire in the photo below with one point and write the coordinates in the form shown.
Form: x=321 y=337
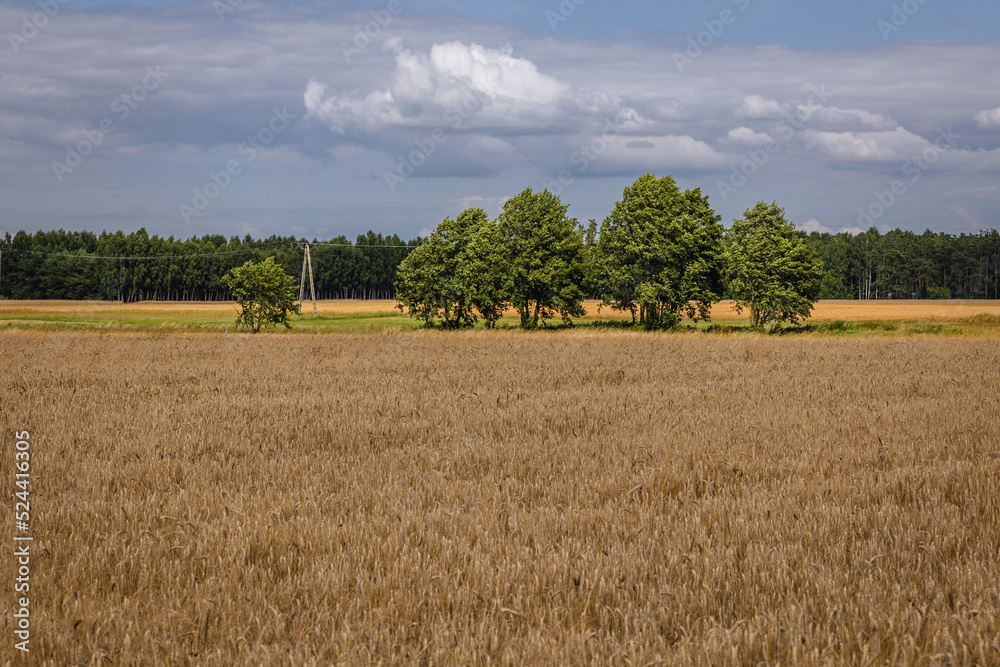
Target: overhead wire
x=297 y=244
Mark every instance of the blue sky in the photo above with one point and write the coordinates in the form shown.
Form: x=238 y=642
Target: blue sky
x=236 y=116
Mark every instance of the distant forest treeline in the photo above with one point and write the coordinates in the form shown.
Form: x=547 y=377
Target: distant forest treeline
x=904 y=265
x=135 y=266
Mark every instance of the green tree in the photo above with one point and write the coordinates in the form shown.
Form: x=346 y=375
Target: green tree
x=484 y=271
x=543 y=253
x=833 y=253
x=771 y=270
x=416 y=282
x=592 y=274
x=433 y=281
x=266 y=294
x=660 y=253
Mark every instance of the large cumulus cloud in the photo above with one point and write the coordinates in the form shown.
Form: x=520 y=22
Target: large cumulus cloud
x=475 y=93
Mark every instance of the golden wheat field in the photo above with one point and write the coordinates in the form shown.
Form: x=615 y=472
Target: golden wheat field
x=506 y=498
x=381 y=314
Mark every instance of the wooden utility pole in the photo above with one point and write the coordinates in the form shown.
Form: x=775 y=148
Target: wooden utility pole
x=312 y=285
x=302 y=284
x=307 y=262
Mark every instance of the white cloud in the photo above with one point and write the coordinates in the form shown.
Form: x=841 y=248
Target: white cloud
x=456 y=86
x=658 y=154
x=832 y=119
x=491 y=153
x=970 y=219
x=495 y=73
x=744 y=136
x=492 y=205
x=894 y=146
x=755 y=107
x=814 y=225
x=989 y=120
x=984 y=191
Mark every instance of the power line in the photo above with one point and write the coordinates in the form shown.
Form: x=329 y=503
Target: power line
x=196 y=254
x=296 y=244
x=351 y=245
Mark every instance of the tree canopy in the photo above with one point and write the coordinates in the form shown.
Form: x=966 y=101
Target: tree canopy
x=484 y=272
x=531 y=257
x=660 y=253
x=543 y=255
x=265 y=293
x=435 y=281
x=770 y=269
x=137 y=266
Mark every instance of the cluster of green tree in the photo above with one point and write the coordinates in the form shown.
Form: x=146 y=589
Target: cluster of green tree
x=904 y=265
x=661 y=255
x=136 y=266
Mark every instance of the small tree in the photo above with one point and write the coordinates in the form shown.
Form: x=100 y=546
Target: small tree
x=266 y=294
x=771 y=270
x=544 y=256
